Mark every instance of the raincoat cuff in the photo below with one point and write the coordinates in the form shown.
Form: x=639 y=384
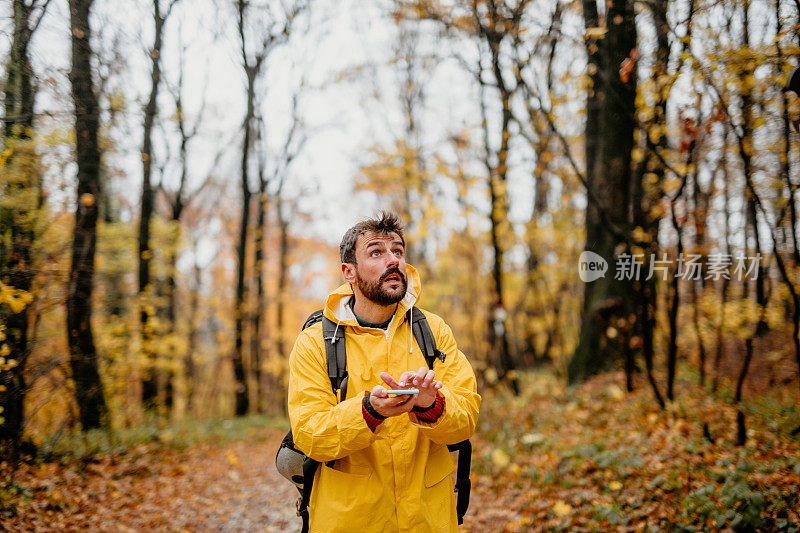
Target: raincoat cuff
x=371 y=416
x=424 y=420
x=433 y=412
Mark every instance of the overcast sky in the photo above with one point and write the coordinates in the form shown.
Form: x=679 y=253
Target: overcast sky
x=342 y=49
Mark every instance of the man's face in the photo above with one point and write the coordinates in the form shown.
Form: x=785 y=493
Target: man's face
x=380 y=269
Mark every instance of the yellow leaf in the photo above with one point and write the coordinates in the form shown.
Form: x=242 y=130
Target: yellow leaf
x=615 y=485
x=561 y=508
x=500 y=459
x=233 y=460
x=615 y=392
x=595 y=33
x=16 y=304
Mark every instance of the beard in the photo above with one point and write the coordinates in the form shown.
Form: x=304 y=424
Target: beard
x=375 y=292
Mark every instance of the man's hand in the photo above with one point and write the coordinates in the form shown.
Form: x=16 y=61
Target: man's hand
x=387 y=405
x=422 y=379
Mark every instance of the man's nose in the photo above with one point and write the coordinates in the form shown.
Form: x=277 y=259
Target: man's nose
x=393 y=260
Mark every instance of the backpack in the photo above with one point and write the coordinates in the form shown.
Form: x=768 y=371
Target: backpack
x=299 y=469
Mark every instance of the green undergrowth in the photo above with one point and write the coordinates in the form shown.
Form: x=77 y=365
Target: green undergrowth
x=596 y=458
x=774 y=408
x=180 y=435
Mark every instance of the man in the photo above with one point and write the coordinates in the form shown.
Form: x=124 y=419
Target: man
x=385 y=464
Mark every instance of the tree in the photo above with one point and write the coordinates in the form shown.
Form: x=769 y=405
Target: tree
x=20 y=191
x=83 y=354
x=278 y=28
x=610 y=123
x=149 y=383
x=492 y=24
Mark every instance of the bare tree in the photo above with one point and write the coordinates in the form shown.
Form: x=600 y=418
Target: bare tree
x=177 y=201
x=150 y=381
x=83 y=354
x=492 y=25
x=273 y=32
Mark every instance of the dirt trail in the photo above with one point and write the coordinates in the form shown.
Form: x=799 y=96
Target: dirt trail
x=232 y=487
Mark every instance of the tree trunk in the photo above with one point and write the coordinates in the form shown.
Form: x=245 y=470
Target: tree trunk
x=83 y=355
x=19 y=91
x=172 y=295
x=15 y=267
x=282 y=274
x=725 y=282
x=150 y=379
x=188 y=361
x=260 y=308
x=792 y=190
x=745 y=153
x=497 y=174
x=242 y=396
x=609 y=140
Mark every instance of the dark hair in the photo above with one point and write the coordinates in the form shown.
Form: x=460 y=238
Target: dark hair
x=386 y=223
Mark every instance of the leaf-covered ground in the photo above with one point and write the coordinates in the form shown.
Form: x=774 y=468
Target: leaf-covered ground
x=591 y=458
x=155 y=487
x=598 y=459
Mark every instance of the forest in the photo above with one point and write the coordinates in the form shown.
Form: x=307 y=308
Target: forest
x=601 y=198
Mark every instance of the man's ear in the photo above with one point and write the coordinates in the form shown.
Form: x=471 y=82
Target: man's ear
x=349 y=272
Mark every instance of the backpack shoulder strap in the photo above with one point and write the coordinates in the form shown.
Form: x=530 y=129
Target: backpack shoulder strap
x=463 y=484
x=424 y=336
x=309 y=469
x=336 y=355
x=427 y=343
x=312 y=319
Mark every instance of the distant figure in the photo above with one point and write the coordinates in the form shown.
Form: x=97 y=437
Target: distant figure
x=385 y=462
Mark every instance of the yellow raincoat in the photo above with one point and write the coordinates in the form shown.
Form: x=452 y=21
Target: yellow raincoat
x=398 y=478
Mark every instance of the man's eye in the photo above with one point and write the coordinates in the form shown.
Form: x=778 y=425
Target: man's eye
x=398 y=253
x=375 y=253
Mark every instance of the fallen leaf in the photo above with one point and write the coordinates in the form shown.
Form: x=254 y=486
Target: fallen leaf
x=561 y=508
x=500 y=459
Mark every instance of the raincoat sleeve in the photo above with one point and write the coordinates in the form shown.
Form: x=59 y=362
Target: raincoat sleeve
x=459 y=389
x=322 y=429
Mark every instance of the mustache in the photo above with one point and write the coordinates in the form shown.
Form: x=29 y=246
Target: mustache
x=393 y=270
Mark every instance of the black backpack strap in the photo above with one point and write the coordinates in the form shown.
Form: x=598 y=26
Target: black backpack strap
x=336 y=359
x=424 y=336
x=463 y=484
x=335 y=354
x=427 y=343
x=309 y=469
x=312 y=319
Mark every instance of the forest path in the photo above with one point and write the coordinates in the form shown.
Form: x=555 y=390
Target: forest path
x=232 y=487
